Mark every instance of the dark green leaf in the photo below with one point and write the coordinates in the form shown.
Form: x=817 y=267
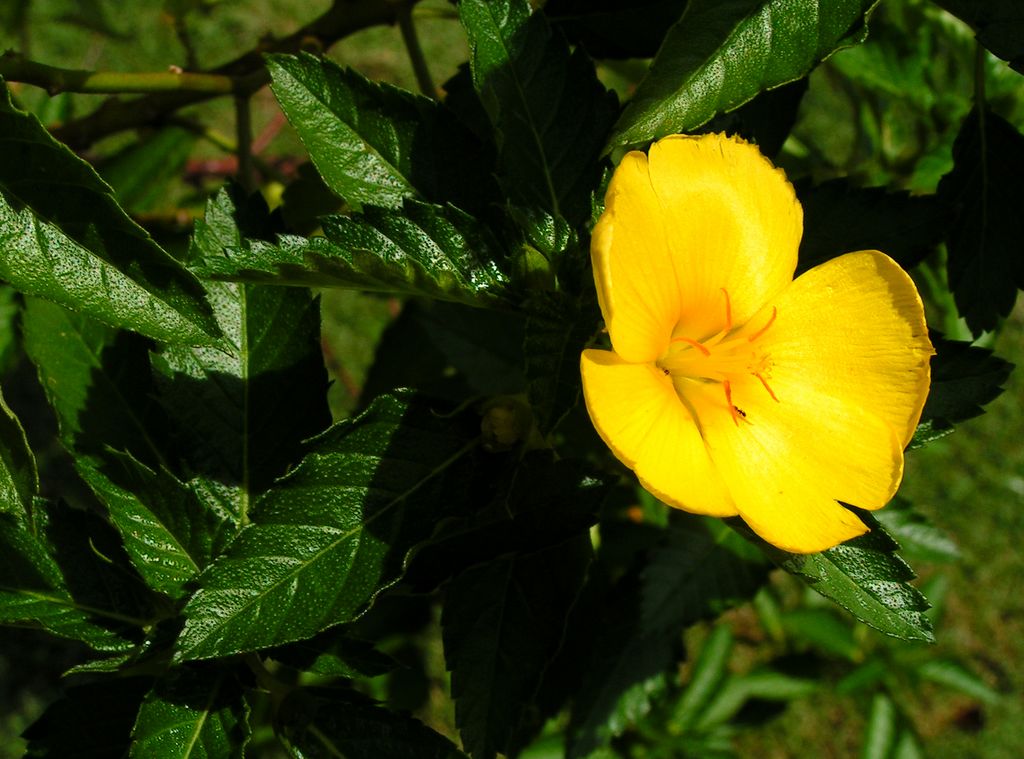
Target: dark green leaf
x=140 y=173
x=986 y=258
x=10 y=310
x=964 y=378
x=376 y=144
x=33 y=590
x=918 y=537
x=317 y=723
x=237 y=415
x=503 y=621
x=999 y=25
x=333 y=654
x=192 y=714
x=427 y=250
x=92 y=721
x=721 y=54
x=97 y=380
x=614 y=28
x=19 y=480
x=841 y=218
x=549 y=111
x=865 y=576
x=168 y=531
x=335 y=531
x=699 y=572
x=706 y=677
x=66 y=239
x=765 y=120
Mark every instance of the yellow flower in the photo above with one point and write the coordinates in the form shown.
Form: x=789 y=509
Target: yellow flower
x=733 y=389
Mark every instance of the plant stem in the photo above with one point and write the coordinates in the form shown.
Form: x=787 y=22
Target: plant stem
x=412 y=45
x=243 y=127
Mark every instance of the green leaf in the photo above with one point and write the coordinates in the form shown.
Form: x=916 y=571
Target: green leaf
x=763 y=685
x=65 y=239
x=824 y=630
x=168 y=531
x=709 y=671
x=919 y=538
x=97 y=380
x=317 y=723
x=865 y=576
x=954 y=675
x=140 y=173
x=549 y=111
x=721 y=54
x=376 y=144
x=437 y=251
x=503 y=621
x=984 y=241
x=700 y=571
x=335 y=531
x=237 y=416
x=33 y=590
x=10 y=311
x=557 y=330
x=880 y=731
x=999 y=25
x=964 y=378
x=19 y=479
x=92 y=720
x=333 y=654
x=842 y=218
x=192 y=714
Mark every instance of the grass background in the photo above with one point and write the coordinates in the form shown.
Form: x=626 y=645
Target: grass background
x=884 y=113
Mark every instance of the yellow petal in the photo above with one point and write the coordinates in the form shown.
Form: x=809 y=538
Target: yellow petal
x=733 y=221
x=639 y=416
x=854 y=328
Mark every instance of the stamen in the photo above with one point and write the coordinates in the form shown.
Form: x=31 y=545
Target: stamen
x=728 y=400
x=694 y=343
x=728 y=310
x=766 y=387
x=764 y=329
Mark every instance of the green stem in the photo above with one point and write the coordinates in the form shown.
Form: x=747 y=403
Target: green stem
x=416 y=57
x=54 y=80
x=243 y=127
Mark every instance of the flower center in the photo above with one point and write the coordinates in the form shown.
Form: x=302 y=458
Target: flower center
x=723 y=358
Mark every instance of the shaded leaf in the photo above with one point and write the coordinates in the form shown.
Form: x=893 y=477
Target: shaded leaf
x=66 y=239
x=999 y=25
x=140 y=173
x=334 y=654
x=317 y=722
x=335 y=531
x=865 y=576
x=613 y=28
x=986 y=258
x=549 y=111
x=721 y=54
x=377 y=144
x=427 y=250
x=19 y=479
x=503 y=621
x=766 y=120
x=192 y=714
x=842 y=218
x=918 y=537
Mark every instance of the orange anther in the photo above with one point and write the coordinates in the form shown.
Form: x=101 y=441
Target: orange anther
x=694 y=343
x=764 y=329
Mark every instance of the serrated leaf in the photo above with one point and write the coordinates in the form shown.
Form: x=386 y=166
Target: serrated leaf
x=999 y=25
x=865 y=576
x=615 y=29
x=842 y=218
x=92 y=720
x=97 y=380
x=377 y=144
x=556 y=333
x=139 y=173
x=65 y=239
x=549 y=111
x=192 y=714
x=33 y=590
x=721 y=54
x=437 y=251
x=237 y=416
x=19 y=479
x=317 y=723
x=335 y=531
x=168 y=531
x=502 y=623
x=964 y=378
x=985 y=266
x=700 y=571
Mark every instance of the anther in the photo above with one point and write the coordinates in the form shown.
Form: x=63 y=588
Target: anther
x=764 y=329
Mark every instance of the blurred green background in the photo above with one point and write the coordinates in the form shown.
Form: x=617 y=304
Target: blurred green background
x=884 y=113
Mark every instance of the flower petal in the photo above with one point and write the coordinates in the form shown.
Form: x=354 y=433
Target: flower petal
x=733 y=221
x=640 y=417
x=854 y=328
